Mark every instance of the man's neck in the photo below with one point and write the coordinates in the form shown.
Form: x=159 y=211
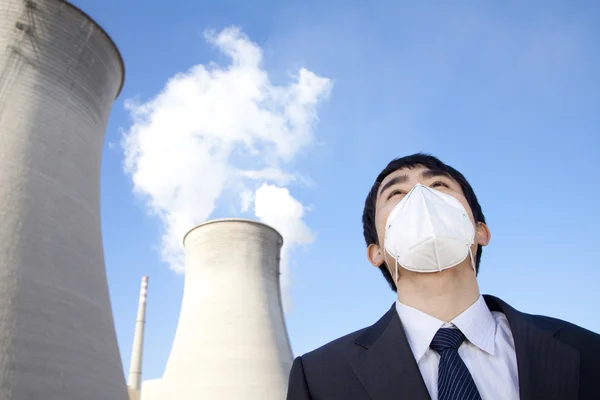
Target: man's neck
x=443 y=295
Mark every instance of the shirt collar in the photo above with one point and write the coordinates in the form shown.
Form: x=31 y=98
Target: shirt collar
x=476 y=323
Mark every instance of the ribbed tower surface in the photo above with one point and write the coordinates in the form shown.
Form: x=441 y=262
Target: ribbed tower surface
x=59 y=76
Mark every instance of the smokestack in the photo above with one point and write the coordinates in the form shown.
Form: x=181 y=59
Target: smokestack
x=135 y=368
x=231 y=341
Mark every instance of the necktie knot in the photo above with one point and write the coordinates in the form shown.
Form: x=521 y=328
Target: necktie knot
x=454 y=379
x=447 y=338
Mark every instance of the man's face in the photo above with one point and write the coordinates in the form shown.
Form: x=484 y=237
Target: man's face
x=393 y=189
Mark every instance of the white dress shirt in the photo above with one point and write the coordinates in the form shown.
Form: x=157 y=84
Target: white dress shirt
x=488 y=350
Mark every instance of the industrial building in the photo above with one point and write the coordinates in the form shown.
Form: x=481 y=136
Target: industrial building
x=231 y=341
x=59 y=75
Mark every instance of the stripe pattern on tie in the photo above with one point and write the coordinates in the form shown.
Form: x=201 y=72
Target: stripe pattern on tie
x=454 y=379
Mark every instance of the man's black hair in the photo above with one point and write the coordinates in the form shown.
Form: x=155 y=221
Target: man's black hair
x=415 y=160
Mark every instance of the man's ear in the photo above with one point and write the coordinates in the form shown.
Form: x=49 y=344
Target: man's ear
x=483 y=234
x=375 y=255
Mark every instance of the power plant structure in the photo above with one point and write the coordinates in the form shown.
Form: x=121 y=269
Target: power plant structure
x=231 y=341
x=59 y=76
x=134 y=382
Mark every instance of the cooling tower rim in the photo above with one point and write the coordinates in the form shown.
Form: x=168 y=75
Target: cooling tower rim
x=225 y=220
x=110 y=40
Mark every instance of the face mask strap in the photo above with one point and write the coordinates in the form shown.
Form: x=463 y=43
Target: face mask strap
x=472 y=260
x=396 y=275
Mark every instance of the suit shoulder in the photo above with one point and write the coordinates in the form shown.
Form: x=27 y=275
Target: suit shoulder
x=352 y=343
x=568 y=332
x=335 y=348
x=328 y=372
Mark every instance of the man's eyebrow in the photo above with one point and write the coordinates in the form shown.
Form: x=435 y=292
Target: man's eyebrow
x=434 y=173
x=394 y=181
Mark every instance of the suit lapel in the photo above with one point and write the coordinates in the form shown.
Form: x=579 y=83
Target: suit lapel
x=547 y=368
x=387 y=369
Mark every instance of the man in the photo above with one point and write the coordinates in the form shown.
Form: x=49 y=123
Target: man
x=425 y=230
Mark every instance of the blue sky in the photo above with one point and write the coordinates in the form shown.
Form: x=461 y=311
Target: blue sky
x=508 y=94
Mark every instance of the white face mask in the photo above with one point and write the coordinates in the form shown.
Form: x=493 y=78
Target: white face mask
x=428 y=231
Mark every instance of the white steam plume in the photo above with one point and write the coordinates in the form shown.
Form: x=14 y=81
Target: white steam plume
x=276 y=207
x=216 y=129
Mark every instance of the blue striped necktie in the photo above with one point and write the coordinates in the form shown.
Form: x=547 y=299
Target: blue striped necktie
x=454 y=379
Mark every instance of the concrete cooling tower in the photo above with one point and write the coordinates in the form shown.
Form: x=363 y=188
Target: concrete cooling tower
x=59 y=76
x=231 y=341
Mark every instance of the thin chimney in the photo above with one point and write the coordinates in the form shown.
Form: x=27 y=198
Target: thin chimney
x=135 y=369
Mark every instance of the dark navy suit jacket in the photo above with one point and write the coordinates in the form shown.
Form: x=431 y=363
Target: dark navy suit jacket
x=556 y=360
